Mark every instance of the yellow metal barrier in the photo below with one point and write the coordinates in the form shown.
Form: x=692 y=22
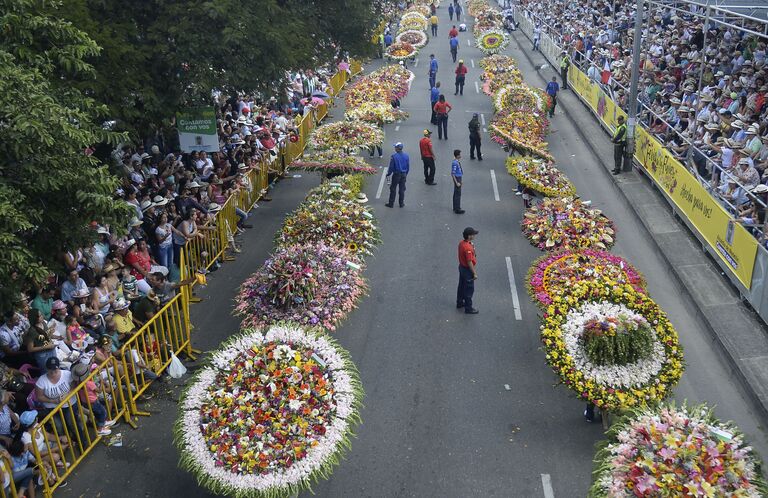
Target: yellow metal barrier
x=69 y=431
x=7 y=475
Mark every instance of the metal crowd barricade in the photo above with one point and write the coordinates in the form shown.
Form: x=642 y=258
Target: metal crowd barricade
x=69 y=431
x=7 y=475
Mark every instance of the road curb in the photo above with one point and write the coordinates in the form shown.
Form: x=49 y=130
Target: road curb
x=733 y=362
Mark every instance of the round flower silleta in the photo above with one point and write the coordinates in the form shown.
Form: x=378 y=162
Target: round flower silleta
x=567 y=223
x=671 y=451
x=346 y=135
x=541 y=176
x=310 y=285
x=611 y=387
x=492 y=41
x=415 y=37
x=270 y=414
x=401 y=51
x=379 y=87
x=552 y=276
x=413 y=23
x=333 y=162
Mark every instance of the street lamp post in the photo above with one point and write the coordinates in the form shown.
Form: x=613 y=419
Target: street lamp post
x=632 y=121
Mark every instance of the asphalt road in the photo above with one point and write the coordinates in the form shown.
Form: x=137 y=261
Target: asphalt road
x=439 y=419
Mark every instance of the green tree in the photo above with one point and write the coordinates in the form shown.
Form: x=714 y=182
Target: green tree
x=50 y=189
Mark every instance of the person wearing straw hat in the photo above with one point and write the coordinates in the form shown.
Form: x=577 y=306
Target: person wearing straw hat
x=428 y=157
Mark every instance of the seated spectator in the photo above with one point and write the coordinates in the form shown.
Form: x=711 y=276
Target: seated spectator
x=124 y=323
x=11 y=333
x=51 y=390
x=9 y=421
x=145 y=308
x=23 y=474
x=38 y=341
x=89 y=398
x=73 y=285
x=43 y=302
x=48 y=446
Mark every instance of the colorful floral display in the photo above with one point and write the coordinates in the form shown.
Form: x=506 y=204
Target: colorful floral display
x=416 y=38
x=421 y=10
x=333 y=162
x=567 y=223
x=520 y=98
x=499 y=71
x=617 y=386
x=541 y=176
x=312 y=285
x=521 y=131
x=492 y=41
x=555 y=275
x=380 y=87
x=378 y=113
x=339 y=223
x=669 y=451
x=345 y=135
x=341 y=188
x=270 y=414
x=401 y=51
x=412 y=23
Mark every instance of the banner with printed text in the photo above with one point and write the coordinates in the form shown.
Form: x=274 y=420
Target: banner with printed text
x=197 y=129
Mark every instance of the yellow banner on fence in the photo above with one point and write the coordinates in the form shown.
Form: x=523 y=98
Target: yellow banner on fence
x=731 y=241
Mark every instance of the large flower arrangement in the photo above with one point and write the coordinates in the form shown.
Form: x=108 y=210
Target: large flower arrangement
x=315 y=285
x=492 y=41
x=613 y=386
x=381 y=86
x=341 y=188
x=519 y=98
x=421 y=11
x=401 y=51
x=487 y=21
x=270 y=414
x=342 y=135
x=566 y=223
x=475 y=8
x=498 y=63
x=376 y=112
x=672 y=451
x=416 y=38
x=338 y=223
x=334 y=162
x=522 y=131
x=555 y=275
x=541 y=176
x=412 y=23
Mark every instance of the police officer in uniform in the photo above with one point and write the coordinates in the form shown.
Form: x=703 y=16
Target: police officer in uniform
x=399 y=165
x=565 y=63
x=619 y=145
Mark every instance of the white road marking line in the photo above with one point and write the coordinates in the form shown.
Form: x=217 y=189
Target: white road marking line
x=473 y=62
x=519 y=316
x=416 y=63
x=485 y=130
x=381 y=182
x=482 y=119
x=477 y=88
x=397 y=127
x=468 y=44
x=546 y=483
x=495 y=186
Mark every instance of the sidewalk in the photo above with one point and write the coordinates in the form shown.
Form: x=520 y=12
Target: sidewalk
x=734 y=326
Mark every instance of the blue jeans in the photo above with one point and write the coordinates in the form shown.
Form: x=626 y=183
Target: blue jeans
x=23 y=478
x=165 y=255
x=99 y=413
x=397 y=185
x=466 y=288
x=442 y=126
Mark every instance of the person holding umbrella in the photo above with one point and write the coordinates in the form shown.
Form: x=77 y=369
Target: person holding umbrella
x=474 y=138
x=461 y=74
x=399 y=165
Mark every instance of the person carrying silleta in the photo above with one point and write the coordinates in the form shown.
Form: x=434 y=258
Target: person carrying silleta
x=461 y=75
x=428 y=158
x=457 y=175
x=467 y=272
x=619 y=145
x=399 y=165
x=474 y=138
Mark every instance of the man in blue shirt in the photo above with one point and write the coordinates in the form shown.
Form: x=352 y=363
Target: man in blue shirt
x=457 y=174
x=387 y=39
x=434 y=95
x=432 y=70
x=454 y=44
x=552 y=89
x=399 y=165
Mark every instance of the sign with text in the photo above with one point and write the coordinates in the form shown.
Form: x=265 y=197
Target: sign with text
x=197 y=129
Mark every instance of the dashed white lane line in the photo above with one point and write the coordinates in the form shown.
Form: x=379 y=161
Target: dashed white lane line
x=485 y=130
x=416 y=63
x=482 y=119
x=381 y=182
x=473 y=62
x=519 y=316
x=477 y=88
x=546 y=483
x=495 y=186
x=468 y=44
x=397 y=127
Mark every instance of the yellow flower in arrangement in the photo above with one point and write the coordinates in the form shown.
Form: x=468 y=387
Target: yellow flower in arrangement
x=401 y=50
x=541 y=176
x=567 y=223
x=492 y=41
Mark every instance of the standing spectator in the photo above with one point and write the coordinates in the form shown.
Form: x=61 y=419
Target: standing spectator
x=474 y=138
x=565 y=63
x=467 y=272
x=399 y=165
x=458 y=10
x=434 y=95
x=450 y=11
x=442 y=108
x=432 y=70
x=461 y=75
x=454 y=45
x=536 y=37
x=457 y=175
x=552 y=89
x=164 y=236
x=387 y=39
x=433 y=23
x=619 y=144
x=428 y=158
x=453 y=33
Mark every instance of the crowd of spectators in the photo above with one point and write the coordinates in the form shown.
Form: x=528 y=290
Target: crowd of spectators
x=103 y=294
x=703 y=88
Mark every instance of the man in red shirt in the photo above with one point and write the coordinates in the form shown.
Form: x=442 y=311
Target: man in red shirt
x=453 y=33
x=442 y=108
x=461 y=73
x=428 y=157
x=467 y=272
